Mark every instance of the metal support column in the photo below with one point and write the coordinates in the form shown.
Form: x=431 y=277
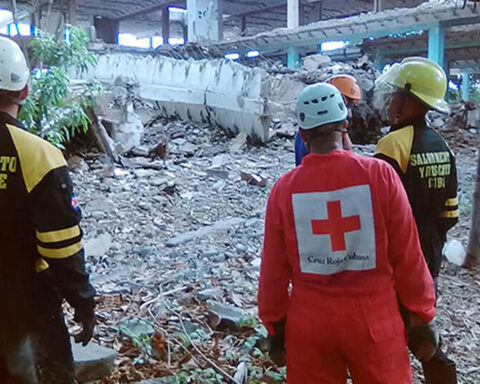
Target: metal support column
x=379 y=63
x=293 y=21
x=301 y=14
x=293 y=13
x=436 y=45
x=243 y=25
x=316 y=13
x=166 y=25
x=205 y=20
x=293 y=57
x=465 y=88
x=377 y=5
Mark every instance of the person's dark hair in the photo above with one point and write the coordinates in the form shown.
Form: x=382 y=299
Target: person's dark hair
x=9 y=97
x=324 y=131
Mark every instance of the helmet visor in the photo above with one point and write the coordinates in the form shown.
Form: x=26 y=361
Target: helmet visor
x=387 y=81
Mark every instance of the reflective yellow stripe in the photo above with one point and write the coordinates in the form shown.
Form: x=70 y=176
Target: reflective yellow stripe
x=453 y=202
x=60 y=253
x=449 y=214
x=60 y=235
x=41 y=265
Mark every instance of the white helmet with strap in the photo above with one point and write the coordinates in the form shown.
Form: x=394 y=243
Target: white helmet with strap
x=14 y=72
x=320 y=104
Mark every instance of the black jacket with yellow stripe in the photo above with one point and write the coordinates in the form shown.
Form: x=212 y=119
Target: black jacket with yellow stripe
x=40 y=232
x=427 y=168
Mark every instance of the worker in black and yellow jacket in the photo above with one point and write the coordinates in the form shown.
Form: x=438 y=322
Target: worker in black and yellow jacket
x=41 y=253
x=426 y=166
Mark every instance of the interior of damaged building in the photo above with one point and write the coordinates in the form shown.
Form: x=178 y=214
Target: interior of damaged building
x=176 y=118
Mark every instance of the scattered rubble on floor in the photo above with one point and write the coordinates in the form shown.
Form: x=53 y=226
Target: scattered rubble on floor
x=92 y=362
x=174 y=213
x=183 y=253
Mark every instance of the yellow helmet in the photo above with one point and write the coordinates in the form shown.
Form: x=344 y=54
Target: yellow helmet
x=422 y=77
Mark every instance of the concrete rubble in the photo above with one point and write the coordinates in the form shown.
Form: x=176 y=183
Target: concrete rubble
x=174 y=226
x=216 y=218
x=462 y=116
x=92 y=362
x=255 y=102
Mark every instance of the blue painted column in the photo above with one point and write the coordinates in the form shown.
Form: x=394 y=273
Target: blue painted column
x=379 y=63
x=465 y=86
x=293 y=57
x=436 y=45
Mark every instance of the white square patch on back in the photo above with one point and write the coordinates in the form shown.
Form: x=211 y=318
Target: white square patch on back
x=335 y=230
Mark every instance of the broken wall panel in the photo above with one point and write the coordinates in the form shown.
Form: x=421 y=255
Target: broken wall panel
x=219 y=92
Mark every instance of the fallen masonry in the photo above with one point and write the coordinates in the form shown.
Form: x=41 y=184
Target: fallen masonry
x=254 y=102
x=203 y=232
x=92 y=362
x=211 y=271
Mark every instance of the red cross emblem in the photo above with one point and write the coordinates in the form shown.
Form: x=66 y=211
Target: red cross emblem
x=336 y=226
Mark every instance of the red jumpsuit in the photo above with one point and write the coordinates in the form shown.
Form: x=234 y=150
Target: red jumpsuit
x=340 y=230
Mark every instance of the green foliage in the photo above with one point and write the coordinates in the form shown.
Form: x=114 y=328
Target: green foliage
x=64 y=55
x=453 y=95
x=259 y=375
x=142 y=342
x=56 y=110
x=247 y=322
x=475 y=95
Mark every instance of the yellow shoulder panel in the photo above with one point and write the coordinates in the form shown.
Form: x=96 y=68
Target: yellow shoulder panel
x=397 y=145
x=37 y=157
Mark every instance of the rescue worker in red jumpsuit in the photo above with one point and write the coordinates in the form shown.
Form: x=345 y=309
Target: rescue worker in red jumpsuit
x=426 y=166
x=340 y=246
x=41 y=252
x=351 y=92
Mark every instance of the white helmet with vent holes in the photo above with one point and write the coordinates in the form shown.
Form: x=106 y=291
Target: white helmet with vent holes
x=320 y=104
x=14 y=72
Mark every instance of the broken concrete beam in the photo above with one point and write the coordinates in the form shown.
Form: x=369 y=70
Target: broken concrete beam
x=219 y=92
x=92 y=362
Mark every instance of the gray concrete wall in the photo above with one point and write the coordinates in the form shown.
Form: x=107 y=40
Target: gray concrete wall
x=219 y=92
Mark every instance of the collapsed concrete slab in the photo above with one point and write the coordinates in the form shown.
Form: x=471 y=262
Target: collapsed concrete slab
x=237 y=98
x=219 y=92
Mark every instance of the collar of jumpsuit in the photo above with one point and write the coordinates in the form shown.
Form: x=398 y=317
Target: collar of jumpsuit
x=313 y=159
x=8 y=119
x=417 y=123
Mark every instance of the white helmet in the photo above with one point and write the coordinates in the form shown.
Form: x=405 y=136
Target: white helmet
x=320 y=104
x=14 y=72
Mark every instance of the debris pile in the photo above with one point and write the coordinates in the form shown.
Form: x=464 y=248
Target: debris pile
x=255 y=101
x=463 y=116
x=174 y=245
x=366 y=122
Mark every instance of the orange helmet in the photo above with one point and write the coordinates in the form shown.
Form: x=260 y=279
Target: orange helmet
x=347 y=85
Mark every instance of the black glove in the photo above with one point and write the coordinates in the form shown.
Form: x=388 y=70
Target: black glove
x=88 y=320
x=276 y=348
x=423 y=341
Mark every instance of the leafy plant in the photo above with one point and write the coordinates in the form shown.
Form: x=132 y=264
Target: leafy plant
x=56 y=108
x=453 y=95
x=141 y=341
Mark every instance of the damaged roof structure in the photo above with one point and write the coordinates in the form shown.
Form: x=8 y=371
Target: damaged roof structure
x=444 y=31
x=184 y=43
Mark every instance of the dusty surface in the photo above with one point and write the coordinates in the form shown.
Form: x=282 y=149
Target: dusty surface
x=132 y=215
